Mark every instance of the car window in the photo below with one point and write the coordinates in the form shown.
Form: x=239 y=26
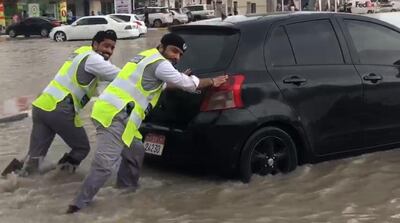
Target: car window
x=221 y=47
x=164 y=10
x=158 y=10
x=82 y=22
x=315 y=42
x=28 y=21
x=36 y=21
x=137 y=18
x=113 y=17
x=279 y=49
x=375 y=44
x=195 y=8
x=126 y=18
x=97 y=21
x=139 y=11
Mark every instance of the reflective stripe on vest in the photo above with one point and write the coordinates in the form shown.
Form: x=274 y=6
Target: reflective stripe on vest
x=130 y=88
x=113 y=99
x=55 y=92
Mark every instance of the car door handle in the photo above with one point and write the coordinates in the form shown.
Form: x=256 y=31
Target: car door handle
x=372 y=77
x=294 y=80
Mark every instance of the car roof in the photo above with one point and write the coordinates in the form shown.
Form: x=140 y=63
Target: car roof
x=153 y=7
x=195 y=5
x=238 y=21
x=124 y=14
x=41 y=18
x=94 y=16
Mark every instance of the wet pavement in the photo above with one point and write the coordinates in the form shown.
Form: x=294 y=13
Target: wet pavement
x=359 y=189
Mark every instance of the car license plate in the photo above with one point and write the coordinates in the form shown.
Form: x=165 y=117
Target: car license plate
x=154 y=144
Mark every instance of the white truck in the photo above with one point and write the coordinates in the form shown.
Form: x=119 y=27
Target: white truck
x=361 y=6
x=201 y=11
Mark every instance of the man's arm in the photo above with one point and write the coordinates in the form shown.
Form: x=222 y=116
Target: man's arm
x=175 y=79
x=212 y=82
x=103 y=69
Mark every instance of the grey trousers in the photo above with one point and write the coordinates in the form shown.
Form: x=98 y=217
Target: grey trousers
x=110 y=152
x=59 y=121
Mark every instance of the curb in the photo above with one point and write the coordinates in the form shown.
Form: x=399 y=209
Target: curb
x=15 y=109
x=15 y=117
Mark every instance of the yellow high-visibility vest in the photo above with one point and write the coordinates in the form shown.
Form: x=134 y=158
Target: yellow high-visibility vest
x=125 y=88
x=66 y=83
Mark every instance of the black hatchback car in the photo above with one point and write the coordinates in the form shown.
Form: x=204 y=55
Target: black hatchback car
x=303 y=87
x=32 y=26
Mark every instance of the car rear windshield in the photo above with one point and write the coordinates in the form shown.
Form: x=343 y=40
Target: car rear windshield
x=195 y=8
x=126 y=18
x=158 y=10
x=115 y=18
x=208 y=51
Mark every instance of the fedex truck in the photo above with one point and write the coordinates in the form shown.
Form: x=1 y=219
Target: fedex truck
x=361 y=6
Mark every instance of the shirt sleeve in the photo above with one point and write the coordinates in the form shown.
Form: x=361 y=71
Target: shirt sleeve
x=103 y=69
x=167 y=73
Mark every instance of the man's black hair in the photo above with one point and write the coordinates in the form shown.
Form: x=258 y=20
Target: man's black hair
x=102 y=35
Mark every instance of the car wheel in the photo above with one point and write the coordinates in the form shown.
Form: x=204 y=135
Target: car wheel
x=393 y=10
x=176 y=22
x=60 y=36
x=27 y=35
x=12 y=33
x=157 y=23
x=44 y=33
x=269 y=150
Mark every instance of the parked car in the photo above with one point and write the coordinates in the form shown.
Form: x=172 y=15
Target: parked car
x=286 y=102
x=179 y=18
x=158 y=16
x=201 y=11
x=87 y=26
x=386 y=7
x=184 y=11
x=32 y=26
x=134 y=20
x=359 y=7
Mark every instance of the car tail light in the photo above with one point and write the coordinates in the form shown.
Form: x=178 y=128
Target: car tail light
x=227 y=96
x=138 y=23
x=128 y=27
x=55 y=23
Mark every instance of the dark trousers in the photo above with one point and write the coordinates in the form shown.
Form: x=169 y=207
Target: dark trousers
x=59 y=121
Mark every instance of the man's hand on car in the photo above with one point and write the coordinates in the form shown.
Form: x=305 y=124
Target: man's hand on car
x=219 y=80
x=188 y=72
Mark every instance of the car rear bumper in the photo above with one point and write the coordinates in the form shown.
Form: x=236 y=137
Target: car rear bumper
x=51 y=34
x=128 y=33
x=213 y=138
x=143 y=30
